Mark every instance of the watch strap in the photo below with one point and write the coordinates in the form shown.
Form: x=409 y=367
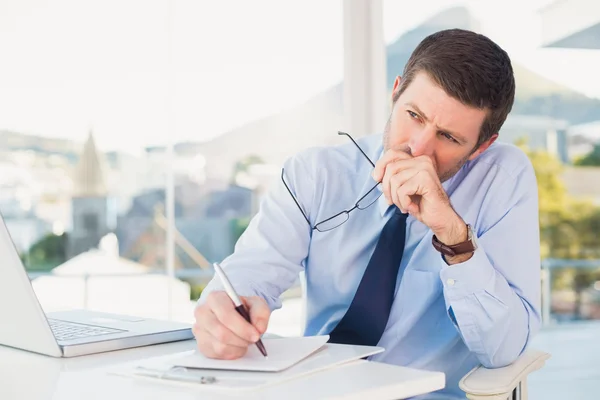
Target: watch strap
x=468 y=246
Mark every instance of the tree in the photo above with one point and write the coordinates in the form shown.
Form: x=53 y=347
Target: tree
x=591 y=159
x=568 y=227
x=565 y=228
x=49 y=252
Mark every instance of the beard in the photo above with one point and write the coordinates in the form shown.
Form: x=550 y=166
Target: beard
x=452 y=171
x=442 y=175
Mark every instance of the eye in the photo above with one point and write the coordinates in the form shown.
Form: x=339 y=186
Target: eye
x=413 y=115
x=447 y=136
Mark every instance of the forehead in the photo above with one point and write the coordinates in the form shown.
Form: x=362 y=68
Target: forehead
x=441 y=109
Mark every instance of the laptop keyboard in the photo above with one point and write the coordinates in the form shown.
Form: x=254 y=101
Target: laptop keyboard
x=65 y=331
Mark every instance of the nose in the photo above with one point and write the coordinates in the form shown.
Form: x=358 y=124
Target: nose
x=422 y=142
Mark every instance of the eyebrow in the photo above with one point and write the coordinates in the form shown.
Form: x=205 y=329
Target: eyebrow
x=456 y=136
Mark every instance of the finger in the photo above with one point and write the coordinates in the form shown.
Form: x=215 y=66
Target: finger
x=405 y=195
x=413 y=207
x=401 y=201
x=259 y=312
x=211 y=348
x=225 y=352
x=210 y=324
x=205 y=343
x=387 y=158
x=386 y=185
x=222 y=306
x=398 y=180
x=393 y=169
x=427 y=163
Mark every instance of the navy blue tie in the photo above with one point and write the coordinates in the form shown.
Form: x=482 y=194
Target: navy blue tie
x=367 y=316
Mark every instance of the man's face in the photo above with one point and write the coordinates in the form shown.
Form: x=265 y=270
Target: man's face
x=426 y=121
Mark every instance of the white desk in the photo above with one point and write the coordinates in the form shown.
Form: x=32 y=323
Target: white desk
x=28 y=376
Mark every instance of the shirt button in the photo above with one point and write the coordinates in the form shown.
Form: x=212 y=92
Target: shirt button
x=450 y=282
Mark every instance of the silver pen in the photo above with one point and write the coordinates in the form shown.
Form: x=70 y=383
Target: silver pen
x=175 y=374
x=239 y=306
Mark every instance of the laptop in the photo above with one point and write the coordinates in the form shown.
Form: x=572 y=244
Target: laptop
x=24 y=325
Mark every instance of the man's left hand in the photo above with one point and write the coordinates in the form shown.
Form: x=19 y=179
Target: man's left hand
x=413 y=185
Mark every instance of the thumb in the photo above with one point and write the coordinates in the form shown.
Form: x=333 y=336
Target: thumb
x=259 y=312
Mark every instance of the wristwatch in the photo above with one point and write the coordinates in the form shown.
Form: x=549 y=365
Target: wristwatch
x=468 y=246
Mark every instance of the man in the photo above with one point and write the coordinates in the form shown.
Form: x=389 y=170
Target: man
x=439 y=264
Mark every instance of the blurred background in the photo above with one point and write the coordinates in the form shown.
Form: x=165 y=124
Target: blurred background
x=137 y=138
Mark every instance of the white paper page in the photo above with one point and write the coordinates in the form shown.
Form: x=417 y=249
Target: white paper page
x=239 y=382
x=282 y=353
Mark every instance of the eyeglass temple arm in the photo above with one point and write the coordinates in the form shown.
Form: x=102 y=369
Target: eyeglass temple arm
x=294 y=198
x=356 y=144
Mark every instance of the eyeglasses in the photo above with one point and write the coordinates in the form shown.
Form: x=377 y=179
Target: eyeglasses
x=338 y=219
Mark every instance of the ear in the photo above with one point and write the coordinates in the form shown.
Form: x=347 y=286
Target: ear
x=396 y=87
x=483 y=147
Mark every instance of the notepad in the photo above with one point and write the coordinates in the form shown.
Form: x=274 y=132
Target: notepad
x=282 y=354
x=164 y=369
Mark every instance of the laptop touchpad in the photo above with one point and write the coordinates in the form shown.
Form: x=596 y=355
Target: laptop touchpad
x=116 y=318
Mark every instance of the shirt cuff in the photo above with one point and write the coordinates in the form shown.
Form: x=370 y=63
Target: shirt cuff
x=463 y=279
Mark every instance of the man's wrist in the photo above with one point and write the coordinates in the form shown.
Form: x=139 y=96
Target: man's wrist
x=454 y=231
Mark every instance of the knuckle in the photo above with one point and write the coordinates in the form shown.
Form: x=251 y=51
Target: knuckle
x=240 y=351
x=428 y=161
x=231 y=353
x=205 y=347
x=387 y=177
x=227 y=319
x=221 y=334
x=220 y=348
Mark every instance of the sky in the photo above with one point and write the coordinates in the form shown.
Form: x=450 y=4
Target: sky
x=147 y=72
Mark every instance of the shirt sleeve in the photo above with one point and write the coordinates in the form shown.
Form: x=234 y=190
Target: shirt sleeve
x=494 y=297
x=272 y=250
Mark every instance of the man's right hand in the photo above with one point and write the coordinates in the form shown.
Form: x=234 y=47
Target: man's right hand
x=221 y=332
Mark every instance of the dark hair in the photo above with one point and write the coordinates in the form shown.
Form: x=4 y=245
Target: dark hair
x=470 y=68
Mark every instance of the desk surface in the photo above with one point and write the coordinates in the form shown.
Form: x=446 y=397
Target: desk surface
x=28 y=376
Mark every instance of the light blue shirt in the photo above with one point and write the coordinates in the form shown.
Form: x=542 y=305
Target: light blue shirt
x=444 y=318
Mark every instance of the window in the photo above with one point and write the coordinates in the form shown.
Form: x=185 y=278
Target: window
x=178 y=115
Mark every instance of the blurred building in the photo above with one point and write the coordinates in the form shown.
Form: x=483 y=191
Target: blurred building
x=206 y=218
x=540 y=132
x=583 y=183
x=93 y=211
x=583 y=138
